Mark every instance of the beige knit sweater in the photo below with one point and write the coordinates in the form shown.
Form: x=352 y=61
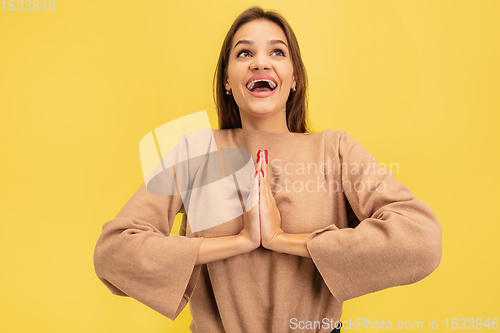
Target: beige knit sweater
x=368 y=232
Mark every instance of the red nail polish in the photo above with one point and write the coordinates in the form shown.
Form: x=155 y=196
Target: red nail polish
x=255 y=174
x=267 y=160
x=265 y=152
x=258 y=153
x=258 y=158
x=262 y=172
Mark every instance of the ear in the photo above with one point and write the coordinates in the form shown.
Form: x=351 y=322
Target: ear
x=226 y=84
x=294 y=82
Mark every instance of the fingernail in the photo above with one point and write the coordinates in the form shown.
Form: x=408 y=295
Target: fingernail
x=255 y=174
x=258 y=158
x=265 y=152
x=266 y=160
x=262 y=172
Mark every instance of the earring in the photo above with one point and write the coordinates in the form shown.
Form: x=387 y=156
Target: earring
x=228 y=92
x=294 y=88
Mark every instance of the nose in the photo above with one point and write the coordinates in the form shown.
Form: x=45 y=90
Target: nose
x=260 y=62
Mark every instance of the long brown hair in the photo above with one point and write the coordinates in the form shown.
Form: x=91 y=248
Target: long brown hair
x=296 y=105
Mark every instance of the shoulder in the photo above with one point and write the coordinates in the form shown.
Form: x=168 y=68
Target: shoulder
x=341 y=142
x=331 y=133
x=330 y=138
x=339 y=137
x=223 y=134
x=328 y=133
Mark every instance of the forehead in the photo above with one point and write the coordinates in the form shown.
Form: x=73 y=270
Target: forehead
x=260 y=30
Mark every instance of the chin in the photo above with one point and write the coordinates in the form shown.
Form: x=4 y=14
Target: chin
x=265 y=106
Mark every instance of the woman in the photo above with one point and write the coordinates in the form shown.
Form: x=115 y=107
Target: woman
x=329 y=223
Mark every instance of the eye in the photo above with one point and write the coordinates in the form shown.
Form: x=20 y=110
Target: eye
x=243 y=54
x=279 y=52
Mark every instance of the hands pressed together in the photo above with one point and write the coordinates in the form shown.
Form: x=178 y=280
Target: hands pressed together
x=262 y=223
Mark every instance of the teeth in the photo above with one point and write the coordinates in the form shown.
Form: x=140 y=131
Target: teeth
x=252 y=83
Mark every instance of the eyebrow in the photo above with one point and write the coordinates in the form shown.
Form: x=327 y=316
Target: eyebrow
x=271 y=42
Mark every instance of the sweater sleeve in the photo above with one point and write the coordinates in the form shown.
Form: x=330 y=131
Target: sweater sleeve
x=396 y=242
x=135 y=256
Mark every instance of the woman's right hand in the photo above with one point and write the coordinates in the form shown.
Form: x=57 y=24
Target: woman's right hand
x=218 y=248
x=251 y=221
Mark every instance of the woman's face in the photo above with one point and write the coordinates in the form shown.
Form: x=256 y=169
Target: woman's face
x=260 y=70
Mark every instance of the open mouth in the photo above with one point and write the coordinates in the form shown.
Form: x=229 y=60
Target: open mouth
x=261 y=85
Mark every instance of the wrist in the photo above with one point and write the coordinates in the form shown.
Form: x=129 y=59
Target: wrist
x=273 y=243
x=295 y=244
x=247 y=244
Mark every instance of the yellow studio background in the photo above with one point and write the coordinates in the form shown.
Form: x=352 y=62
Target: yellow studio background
x=416 y=82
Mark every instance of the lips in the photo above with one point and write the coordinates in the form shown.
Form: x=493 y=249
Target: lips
x=265 y=84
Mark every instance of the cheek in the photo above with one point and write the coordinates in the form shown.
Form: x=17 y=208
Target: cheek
x=233 y=74
x=286 y=74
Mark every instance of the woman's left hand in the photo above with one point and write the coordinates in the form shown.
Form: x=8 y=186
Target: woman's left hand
x=270 y=217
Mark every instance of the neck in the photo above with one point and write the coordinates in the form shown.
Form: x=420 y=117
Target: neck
x=275 y=124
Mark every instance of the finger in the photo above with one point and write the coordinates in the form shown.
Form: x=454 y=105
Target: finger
x=259 y=170
x=261 y=183
x=267 y=182
x=254 y=193
x=258 y=165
